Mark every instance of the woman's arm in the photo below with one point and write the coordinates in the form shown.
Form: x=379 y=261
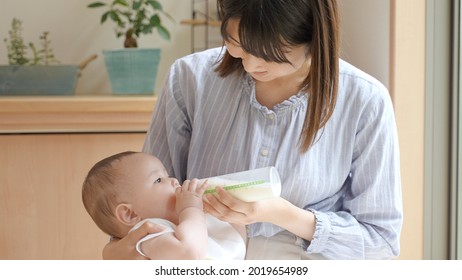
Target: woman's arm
x=367 y=218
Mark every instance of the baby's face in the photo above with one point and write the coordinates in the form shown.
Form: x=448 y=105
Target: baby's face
x=152 y=191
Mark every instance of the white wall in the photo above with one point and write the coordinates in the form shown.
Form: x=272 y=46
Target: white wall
x=76 y=34
x=365 y=36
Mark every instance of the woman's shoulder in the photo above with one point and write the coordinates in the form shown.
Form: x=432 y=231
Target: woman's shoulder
x=361 y=93
x=206 y=59
x=356 y=83
x=349 y=73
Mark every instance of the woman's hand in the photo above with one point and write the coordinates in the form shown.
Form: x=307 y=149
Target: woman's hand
x=225 y=207
x=124 y=249
x=277 y=211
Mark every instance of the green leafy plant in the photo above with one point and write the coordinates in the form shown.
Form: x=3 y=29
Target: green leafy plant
x=44 y=55
x=17 y=49
x=134 y=18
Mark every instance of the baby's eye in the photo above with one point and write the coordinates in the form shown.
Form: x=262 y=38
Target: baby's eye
x=158 y=181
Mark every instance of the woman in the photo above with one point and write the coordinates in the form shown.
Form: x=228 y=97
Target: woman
x=278 y=94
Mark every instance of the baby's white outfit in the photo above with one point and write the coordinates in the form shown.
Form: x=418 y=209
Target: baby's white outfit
x=223 y=243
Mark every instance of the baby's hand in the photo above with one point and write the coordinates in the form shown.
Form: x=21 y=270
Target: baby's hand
x=190 y=195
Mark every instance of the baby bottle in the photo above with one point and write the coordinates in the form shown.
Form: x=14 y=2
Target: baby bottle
x=250 y=185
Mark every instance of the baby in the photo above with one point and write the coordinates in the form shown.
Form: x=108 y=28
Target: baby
x=125 y=190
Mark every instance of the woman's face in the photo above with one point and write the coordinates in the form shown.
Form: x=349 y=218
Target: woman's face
x=260 y=69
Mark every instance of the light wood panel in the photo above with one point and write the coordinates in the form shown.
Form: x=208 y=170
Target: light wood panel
x=408 y=91
x=42 y=215
x=75 y=114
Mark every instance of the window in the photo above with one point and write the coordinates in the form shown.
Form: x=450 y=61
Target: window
x=456 y=170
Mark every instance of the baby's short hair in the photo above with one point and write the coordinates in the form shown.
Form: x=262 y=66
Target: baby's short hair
x=100 y=192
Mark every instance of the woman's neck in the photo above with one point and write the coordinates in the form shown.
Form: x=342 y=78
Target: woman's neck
x=276 y=91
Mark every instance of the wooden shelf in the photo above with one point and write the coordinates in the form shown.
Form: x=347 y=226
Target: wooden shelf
x=75 y=114
x=205 y=23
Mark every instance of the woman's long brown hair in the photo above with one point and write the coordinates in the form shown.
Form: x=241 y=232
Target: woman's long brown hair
x=268 y=27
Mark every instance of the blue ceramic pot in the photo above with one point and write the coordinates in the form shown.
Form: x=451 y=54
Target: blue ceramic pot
x=132 y=71
x=18 y=80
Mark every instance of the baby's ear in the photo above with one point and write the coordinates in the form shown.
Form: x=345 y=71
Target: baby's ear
x=126 y=215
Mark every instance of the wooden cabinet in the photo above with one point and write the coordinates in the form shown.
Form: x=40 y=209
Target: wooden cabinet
x=45 y=152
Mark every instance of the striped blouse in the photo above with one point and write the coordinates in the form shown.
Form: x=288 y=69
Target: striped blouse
x=205 y=125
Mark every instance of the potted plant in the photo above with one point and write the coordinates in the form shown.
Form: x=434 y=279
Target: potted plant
x=133 y=70
x=36 y=74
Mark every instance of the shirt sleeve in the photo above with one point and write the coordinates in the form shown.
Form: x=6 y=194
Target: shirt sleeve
x=368 y=225
x=168 y=135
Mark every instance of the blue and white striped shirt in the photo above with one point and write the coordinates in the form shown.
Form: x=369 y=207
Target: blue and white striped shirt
x=205 y=125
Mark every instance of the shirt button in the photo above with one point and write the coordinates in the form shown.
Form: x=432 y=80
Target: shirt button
x=264 y=152
x=271 y=117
